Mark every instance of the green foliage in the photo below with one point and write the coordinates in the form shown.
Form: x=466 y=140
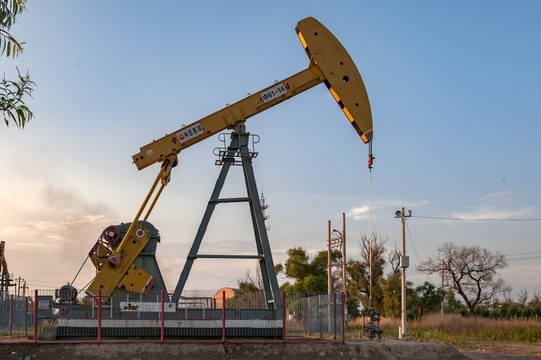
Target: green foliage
x=9 y=9
x=428 y=299
x=12 y=93
x=358 y=272
x=246 y=287
x=12 y=105
x=310 y=275
x=392 y=296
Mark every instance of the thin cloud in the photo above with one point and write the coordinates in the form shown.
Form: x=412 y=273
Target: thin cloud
x=493 y=214
x=358 y=213
x=498 y=194
x=362 y=212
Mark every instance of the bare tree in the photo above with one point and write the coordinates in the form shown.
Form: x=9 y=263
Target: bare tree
x=536 y=299
x=251 y=283
x=394 y=260
x=470 y=271
x=522 y=297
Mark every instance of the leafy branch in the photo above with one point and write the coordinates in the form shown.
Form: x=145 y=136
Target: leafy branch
x=12 y=93
x=12 y=105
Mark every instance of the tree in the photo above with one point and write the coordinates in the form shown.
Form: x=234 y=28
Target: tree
x=249 y=284
x=392 y=295
x=394 y=260
x=310 y=275
x=12 y=93
x=522 y=297
x=359 y=272
x=470 y=271
x=429 y=298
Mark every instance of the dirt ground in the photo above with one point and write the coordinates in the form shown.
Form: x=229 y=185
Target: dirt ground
x=352 y=349
x=499 y=351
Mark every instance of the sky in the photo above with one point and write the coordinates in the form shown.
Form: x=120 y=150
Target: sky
x=455 y=99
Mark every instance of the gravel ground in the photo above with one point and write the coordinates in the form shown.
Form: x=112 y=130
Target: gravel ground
x=387 y=349
x=382 y=350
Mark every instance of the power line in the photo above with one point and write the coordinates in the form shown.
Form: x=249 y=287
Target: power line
x=466 y=219
x=412 y=243
x=525 y=258
x=527 y=253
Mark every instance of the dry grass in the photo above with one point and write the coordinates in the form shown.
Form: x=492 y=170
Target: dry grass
x=454 y=327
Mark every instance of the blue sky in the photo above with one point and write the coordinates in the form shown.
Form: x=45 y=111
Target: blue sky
x=455 y=98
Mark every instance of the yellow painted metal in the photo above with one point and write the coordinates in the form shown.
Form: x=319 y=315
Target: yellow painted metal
x=135 y=280
x=341 y=75
x=154 y=202
x=101 y=253
x=227 y=117
x=329 y=63
x=109 y=277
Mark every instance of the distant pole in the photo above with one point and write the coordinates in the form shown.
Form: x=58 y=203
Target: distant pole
x=329 y=263
x=442 y=293
x=344 y=279
x=404 y=263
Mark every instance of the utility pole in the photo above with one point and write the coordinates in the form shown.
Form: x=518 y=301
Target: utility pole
x=336 y=242
x=344 y=261
x=19 y=285
x=329 y=262
x=404 y=263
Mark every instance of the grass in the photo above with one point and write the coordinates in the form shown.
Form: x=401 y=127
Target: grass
x=457 y=328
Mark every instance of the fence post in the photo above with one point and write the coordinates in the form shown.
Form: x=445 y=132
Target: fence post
x=99 y=316
x=35 y=316
x=343 y=319
x=283 y=317
x=26 y=317
x=162 y=330
x=223 y=316
x=334 y=314
x=10 y=313
x=309 y=317
x=303 y=317
x=320 y=316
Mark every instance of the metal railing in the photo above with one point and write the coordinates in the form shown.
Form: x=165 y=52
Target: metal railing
x=193 y=317
x=16 y=316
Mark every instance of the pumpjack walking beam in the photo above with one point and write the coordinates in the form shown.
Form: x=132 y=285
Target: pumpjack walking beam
x=238 y=147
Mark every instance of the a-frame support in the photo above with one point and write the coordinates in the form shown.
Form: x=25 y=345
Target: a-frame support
x=238 y=148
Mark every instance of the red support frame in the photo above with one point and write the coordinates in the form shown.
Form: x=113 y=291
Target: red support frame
x=26 y=317
x=334 y=314
x=10 y=314
x=283 y=317
x=162 y=317
x=223 y=316
x=309 y=318
x=319 y=316
x=35 y=316
x=99 y=316
x=343 y=318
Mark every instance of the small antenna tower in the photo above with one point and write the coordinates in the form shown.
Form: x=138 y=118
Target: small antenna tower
x=264 y=206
